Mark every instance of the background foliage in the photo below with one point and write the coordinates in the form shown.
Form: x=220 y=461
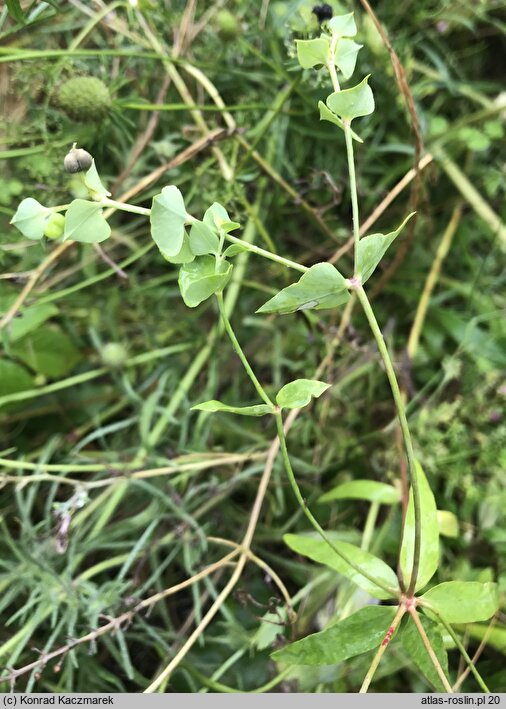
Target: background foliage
x=77 y=552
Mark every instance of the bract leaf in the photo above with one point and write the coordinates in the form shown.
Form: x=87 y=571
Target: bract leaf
x=345 y=57
x=343 y=25
x=370 y=490
x=327 y=115
x=31 y=218
x=299 y=393
x=429 y=543
x=200 y=279
x=317 y=549
x=313 y=52
x=352 y=103
x=359 y=633
x=322 y=286
x=168 y=217
x=463 y=601
x=185 y=255
x=93 y=182
x=84 y=222
x=203 y=239
x=214 y=405
x=216 y=217
x=372 y=248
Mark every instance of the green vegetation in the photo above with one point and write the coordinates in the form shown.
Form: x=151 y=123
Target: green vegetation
x=151 y=539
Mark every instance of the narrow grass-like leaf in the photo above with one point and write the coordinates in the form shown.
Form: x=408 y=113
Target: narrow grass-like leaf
x=359 y=633
x=415 y=649
x=299 y=393
x=322 y=286
x=213 y=405
x=318 y=550
x=370 y=490
x=464 y=601
x=372 y=248
x=429 y=547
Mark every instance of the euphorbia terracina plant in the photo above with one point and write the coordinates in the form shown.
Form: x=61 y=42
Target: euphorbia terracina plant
x=203 y=249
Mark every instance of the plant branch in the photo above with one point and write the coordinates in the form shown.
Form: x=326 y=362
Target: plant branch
x=430 y=650
x=379 y=653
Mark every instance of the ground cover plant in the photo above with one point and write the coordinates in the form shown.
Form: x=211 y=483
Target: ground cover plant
x=123 y=481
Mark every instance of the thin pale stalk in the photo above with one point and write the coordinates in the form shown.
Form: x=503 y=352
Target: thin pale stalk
x=430 y=650
x=379 y=654
x=353 y=187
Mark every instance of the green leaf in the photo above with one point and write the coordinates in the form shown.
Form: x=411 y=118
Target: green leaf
x=359 y=633
x=343 y=25
x=202 y=278
x=15 y=11
x=234 y=250
x=84 y=222
x=93 y=182
x=31 y=218
x=448 y=524
x=417 y=653
x=429 y=550
x=14 y=378
x=317 y=549
x=216 y=217
x=327 y=115
x=167 y=218
x=213 y=405
x=370 y=490
x=322 y=286
x=185 y=255
x=203 y=239
x=352 y=103
x=299 y=393
x=372 y=248
x=345 y=57
x=313 y=52
x=47 y=351
x=30 y=319
x=463 y=601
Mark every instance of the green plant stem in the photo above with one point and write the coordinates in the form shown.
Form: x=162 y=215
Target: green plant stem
x=370 y=523
x=401 y=413
x=125 y=207
x=353 y=187
x=314 y=523
x=460 y=646
x=237 y=347
x=379 y=654
x=225 y=689
x=430 y=650
x=267 y=254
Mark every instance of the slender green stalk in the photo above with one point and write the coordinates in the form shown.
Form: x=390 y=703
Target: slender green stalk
x=430 y=650
x=379 y=654
x=125 y=207
x=300 y=499
x=237 y=347
x=267 y=254
x=353 y=187
x=460 y=647
x=401 y=413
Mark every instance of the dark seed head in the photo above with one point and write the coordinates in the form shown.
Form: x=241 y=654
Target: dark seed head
x=323 y=12
x=77 y=160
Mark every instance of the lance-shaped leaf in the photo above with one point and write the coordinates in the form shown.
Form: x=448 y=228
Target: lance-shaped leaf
x=322 y=286
x=93 y=182
x=85 y=222
x=463 y=601
x=343 y=25
x=317 y=549
x=345 y=57
x=168 y=217
x=213 y=405
x=352 y=103
x=372 y=248
x=299 y=393
x=327 y=115
x=417 y=653
x=359 y=633
x=202 y=278
x=429 y=546
x=313 y=52
x=370 y=490
x=31 y=218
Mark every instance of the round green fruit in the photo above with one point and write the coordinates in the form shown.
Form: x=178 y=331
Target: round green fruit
x=227 y=25
x=113 y=355
x=55 y=226
x=85 y=99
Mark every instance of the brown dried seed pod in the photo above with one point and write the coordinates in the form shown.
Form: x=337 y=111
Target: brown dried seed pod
x=77 y=160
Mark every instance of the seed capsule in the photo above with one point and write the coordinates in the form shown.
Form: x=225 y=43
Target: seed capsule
x=77 y=160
